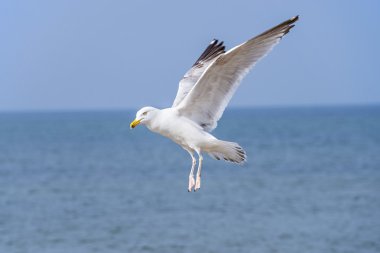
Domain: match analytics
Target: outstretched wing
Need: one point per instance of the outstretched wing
(208, 56)
(208, 98)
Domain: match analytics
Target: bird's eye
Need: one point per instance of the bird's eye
(145, 113)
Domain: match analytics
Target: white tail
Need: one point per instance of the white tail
(229, 151)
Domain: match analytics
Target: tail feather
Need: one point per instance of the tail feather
(228, 151)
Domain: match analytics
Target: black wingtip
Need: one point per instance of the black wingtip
(214, 49)
(286, 26)
(290, 23)
(295, 18)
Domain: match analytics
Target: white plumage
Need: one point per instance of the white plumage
(203, 94)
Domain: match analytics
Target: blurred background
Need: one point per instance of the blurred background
(74, 178)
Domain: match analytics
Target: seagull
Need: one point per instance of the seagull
(203, 95)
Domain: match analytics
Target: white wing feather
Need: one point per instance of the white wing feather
(209, 55)
(208, 98)
(188, 81)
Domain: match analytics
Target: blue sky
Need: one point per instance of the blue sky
(68, 55)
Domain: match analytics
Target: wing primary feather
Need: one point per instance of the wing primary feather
(213, 50)
(288, 24)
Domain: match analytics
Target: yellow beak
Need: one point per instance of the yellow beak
(135, 123)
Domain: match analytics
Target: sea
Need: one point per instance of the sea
(83, 182)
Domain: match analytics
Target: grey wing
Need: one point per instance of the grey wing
(209, 55)
(208, 98)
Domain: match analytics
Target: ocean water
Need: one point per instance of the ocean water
(83, 182)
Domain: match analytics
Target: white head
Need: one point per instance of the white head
(144, 115)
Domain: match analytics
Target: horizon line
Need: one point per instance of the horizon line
(115, 109)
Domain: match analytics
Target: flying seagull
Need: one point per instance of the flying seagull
(202, 96)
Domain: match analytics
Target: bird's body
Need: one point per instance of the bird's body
(179, 129)
(204, 93)
(183, 131)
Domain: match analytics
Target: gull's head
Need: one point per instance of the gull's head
(143, 116)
